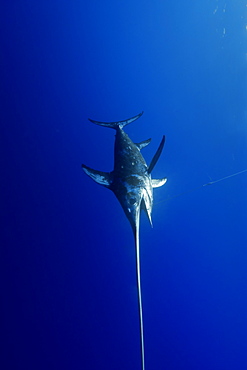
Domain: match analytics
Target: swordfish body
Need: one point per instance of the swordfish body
(133, 186)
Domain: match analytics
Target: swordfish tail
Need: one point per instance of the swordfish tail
(118, 124)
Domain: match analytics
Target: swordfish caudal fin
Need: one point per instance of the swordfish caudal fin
(120, 124)
(102, 178)
(157, 155)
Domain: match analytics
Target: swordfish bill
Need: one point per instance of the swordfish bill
(133, 185)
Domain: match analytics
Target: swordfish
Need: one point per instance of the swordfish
(133, 185)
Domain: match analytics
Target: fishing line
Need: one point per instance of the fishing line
(201, 186)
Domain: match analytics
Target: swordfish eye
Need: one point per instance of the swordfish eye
(131, 198)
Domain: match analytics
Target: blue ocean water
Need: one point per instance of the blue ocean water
(69, 296)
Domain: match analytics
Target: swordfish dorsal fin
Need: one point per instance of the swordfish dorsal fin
(117, 124)
(102, 178)
(157, 155)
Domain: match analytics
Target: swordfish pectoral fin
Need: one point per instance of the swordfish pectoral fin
(156, 183)
(102, 178)
(146, 204)
(157, 155)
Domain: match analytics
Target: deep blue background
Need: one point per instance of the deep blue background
(68, 295)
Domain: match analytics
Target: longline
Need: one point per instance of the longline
(201, 186)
